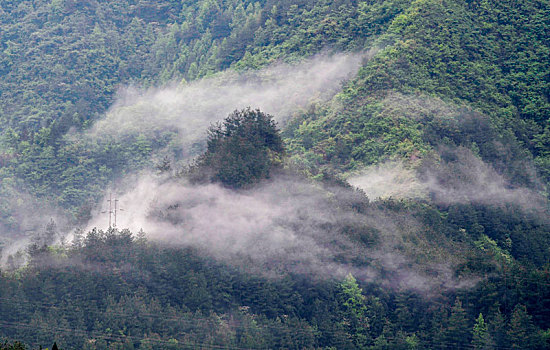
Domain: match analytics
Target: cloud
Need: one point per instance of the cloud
(189, 109)
(455, 175)
(462, 177)
(389, 180)
(29, 218)
(276, 224)
(285, 225)
(500, 172)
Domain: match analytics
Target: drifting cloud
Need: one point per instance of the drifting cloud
(389, 180)
(189, 109)
(284, 225)
(453, 173)
(462, 177)
(457, 175)
(29, 218)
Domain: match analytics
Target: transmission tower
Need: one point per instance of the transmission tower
(112, 213)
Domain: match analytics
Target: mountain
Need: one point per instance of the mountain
(387, 187)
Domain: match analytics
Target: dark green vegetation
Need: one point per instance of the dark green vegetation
(12, 346)
(242, 151)
(117, 290)
(445, 75)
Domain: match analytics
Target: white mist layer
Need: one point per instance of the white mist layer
(466, 179)
(272, 226)
(456, 174)
(285, 225)
(31, 217)
(389, 180)
(189, 109)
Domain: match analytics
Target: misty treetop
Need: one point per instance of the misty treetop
(244, 149)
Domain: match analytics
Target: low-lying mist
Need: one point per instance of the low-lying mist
(188, 109)
(29, 219)
(287, 225)
(470, 161)
(456, 175)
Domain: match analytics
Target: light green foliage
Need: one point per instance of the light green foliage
(437, 49)
(354, 312)
(481, 339)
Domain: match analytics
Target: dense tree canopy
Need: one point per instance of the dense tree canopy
(448, 85)
(244, 149)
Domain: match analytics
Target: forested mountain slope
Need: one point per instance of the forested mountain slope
(443, 241)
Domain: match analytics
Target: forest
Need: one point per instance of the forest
(241, 174)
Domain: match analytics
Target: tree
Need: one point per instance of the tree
(521, 331)
(12, 346)
(497, 328)
(481, 339)
(457, 332)
(354, 312)
(241, 151)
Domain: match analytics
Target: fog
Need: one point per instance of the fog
(462, 177)
(188, 109)
(392, 179)
(29, 218)
(286, 225)
(451, 172)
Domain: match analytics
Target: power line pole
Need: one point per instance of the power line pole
(116, 209)
(116, 202)
(112, 213)
(110, 207)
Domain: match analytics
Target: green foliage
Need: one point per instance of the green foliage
(457, 331)
(435, 50)
(481, 339)
(355, 320)
(521, 333)
(5, 345)
(471, 74)
(111, 288)
(241, 151)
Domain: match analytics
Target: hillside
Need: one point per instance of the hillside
(394, 194)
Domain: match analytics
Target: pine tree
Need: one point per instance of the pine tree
(497, 328)
(481, 339)
(521, 330)
(354, 312)
(457, 333)
(51, 232)
(241, 151)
